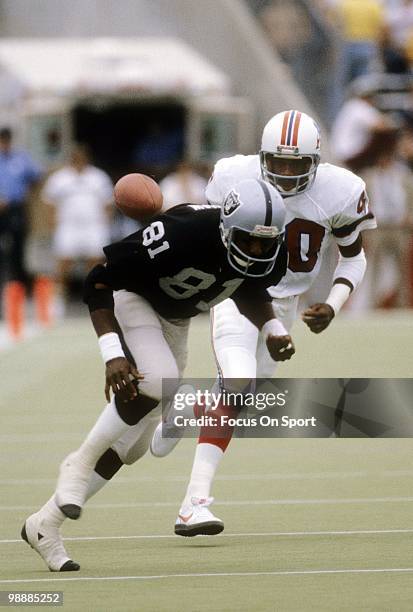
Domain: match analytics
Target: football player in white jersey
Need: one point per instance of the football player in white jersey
(324, 202)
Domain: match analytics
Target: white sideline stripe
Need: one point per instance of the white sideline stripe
(228, 477)
(232, 535)
(216, 575)
(252, 502)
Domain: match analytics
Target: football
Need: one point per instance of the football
(138, 196)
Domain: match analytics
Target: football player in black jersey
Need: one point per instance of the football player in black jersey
(140, 303)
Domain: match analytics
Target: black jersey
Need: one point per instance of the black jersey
(179, 264)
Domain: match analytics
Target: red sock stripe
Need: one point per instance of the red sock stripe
(219, 435)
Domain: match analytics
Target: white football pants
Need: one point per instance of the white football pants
(240, 350)
(159, 348)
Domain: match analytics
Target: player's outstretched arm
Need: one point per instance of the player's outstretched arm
(120, 373)
(348, 275)
(262, 315)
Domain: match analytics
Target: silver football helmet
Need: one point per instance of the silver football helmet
(252, 226)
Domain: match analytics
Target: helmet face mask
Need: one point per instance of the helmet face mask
(290, 152)
(252, 227)
(246, 249)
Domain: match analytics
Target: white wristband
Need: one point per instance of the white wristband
(339, 294)
(273, 327)
(110, 346)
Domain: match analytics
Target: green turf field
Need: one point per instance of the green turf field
(309, 524)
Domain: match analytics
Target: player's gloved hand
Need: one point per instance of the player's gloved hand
(280, 348)
(120, 377)
(318, 317)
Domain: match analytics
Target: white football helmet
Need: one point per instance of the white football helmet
(252, 226)
(290, 152)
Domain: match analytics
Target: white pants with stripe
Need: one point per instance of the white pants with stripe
(240, 350)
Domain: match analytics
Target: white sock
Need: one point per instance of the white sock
(96, 483)
(108, 428)
(52, 514)
(206, 461)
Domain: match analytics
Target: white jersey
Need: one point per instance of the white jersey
(336, 206)
(80, 198)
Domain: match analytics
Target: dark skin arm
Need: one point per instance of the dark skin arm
(319, 316)
(120, 373)
(280, 348)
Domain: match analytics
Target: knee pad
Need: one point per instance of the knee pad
(135, 409)
(234, 342)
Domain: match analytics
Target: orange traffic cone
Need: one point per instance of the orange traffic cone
(43, 295)
(14, 304)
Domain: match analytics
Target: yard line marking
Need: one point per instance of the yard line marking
(228, 477)
(253, 502)
(223, 477)
(216, 575)
(232, 535)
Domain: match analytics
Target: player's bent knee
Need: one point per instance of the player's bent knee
(236, 363)
(135, 409)
(151, 385)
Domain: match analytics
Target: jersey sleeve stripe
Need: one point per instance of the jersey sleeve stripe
(346, 230)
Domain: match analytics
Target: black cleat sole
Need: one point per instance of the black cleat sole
(23, 535)
(71, 511)
(189, 531)
(70, 566)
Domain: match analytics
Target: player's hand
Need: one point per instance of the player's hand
(280, 348)
(318, 317)
(120, 377)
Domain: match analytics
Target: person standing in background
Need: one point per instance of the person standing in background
(183, 185)
(362, 24)
(390, 184)
(18, 174)
(79, 197)
(361, 132)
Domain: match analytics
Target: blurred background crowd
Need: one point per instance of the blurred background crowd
(65, 139)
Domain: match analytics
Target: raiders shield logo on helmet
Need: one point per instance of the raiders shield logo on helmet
(232, 202)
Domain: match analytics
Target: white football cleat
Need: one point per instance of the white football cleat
(47, 541)
(160, 446)
(72, 486)
(197, 519)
